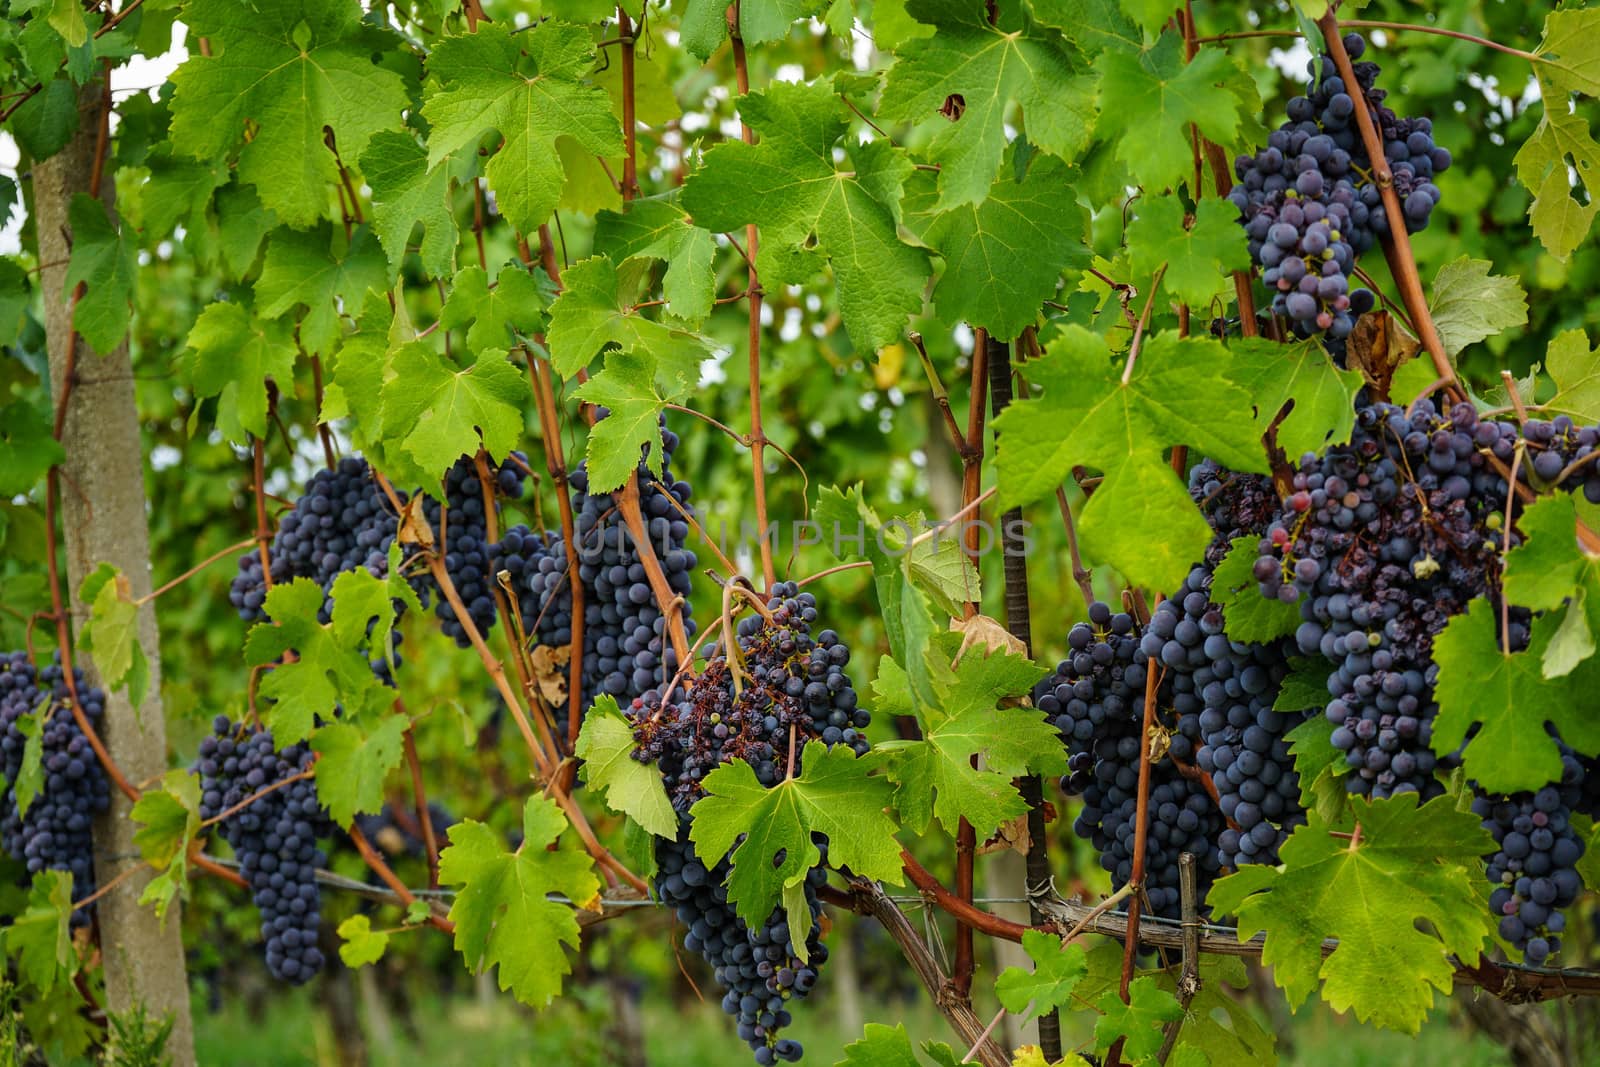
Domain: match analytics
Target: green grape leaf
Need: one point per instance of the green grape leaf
(592, 314)
(29, 782)
(111, 632)
(659, 229)
(1057, 970)
(881, 1046)
(359, 943)
(15, 295)
(934, 775)
(407, 193)
(938, 567)
(169, 820)
(1137, 1023)
(1575, 368)
(503, 912)
(1218, 1023)
(935, 778)
(1247, 615)
(1470, 302)
(831, 794)
(290, 72)
(1148, 15)
(1306, 686)
(44, 124)
(630, 787)
(705, 22)
(103, 260)
(1509, 699)
(1321, 767)
(242, 224)
(1573, 640)
(494, 316)
(1549, 563)
(179, 191)
(452, 409)
(40, 939)
(1157, 95)
(27, 448)
(1588, 865)
(1274, 374)
(1560, 213)
(352, 763)
(303, 269)
(327, 670)
(966, 78)
(810, 207)
(1003, 257)
(232, 355)
(1197, 256)
(1140, 519)
(1411, 865)
(626, 387)
(528, 88)
(1568, 50)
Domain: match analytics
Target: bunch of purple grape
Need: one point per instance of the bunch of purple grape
(1309, 206)
(627, 649)
(273, 830)
(54, 833)
(461, 535)
(793, 690)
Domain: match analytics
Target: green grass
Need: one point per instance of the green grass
(576, 1032)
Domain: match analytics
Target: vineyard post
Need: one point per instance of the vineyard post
(1014, 562)
(143, 955)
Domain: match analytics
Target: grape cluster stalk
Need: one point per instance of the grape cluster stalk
(782, 687)
(54, 833)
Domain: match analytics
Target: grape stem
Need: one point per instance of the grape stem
(556, 464)
(1141, 817)
(1144, 320)
(192, 571)
(984, 1036)
(390, 879)
(1080, 574)
(1371, 24)
(753, 294)
(429, 843)
(1396, 241)
(1505, 546)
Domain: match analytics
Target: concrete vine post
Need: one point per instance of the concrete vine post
(103, 521)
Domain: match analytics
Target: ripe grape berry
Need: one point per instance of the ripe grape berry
(792, 689)
(55, 832)
(274, 836)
